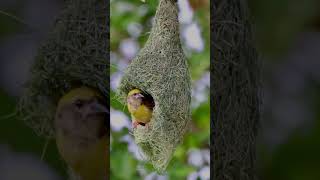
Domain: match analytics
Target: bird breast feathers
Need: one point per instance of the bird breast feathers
(143, 113)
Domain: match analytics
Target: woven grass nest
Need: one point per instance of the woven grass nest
(74, 54)
(160, 70)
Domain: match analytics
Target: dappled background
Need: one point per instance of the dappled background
(131, 22)
(288, 40)
(23, 155)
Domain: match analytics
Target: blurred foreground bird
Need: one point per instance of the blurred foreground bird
(81, 134)
(140, 106)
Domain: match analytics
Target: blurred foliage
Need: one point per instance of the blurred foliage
(278, 22)
(20, 138)
(124, 165)
(13, 132)
(297, 158)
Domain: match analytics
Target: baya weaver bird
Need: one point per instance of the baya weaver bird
(140, 105)
(81, 133)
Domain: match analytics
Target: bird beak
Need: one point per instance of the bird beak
(139, 96)
(97, 107)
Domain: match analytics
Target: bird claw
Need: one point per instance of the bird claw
(136, 123)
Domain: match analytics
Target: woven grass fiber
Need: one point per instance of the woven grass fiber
(75, 54)
(160, 70)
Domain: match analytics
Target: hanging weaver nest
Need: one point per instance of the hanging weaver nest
(160, 70)
(75, 54)
(236, 98)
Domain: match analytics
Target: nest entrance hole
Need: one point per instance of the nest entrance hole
(147, 100)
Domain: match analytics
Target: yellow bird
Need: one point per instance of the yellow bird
(140, 106)
(81, 133)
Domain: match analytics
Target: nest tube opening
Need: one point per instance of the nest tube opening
(160, 69)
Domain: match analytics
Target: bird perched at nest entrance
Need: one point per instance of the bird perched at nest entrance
(140, 105)
(81, 133)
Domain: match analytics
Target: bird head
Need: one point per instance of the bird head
(81, 110)
(81, 133)
(135, 97)
(136, 93)
(84, 100)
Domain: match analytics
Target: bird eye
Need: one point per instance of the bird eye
(78, 103)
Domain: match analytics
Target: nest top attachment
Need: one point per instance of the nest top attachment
(160, 70)
(74, 54)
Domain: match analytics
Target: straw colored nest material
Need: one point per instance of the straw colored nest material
(74, 54)
(160, 70)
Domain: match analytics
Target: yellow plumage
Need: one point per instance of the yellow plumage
(88, 163)
(139, 106)
(84, 93)
(134, 91)
(82, 139)
(142, 114)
